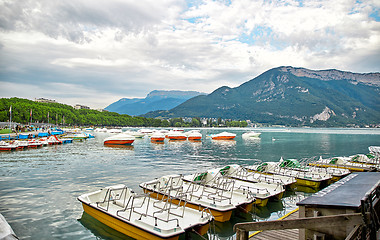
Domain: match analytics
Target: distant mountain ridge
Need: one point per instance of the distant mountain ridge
(292, 96)
(155, 100)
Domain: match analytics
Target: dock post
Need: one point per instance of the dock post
(241, 234)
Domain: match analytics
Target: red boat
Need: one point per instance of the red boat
(119, 139)
(5, 146)
(176, 135)
(223, 136)
(157, 137)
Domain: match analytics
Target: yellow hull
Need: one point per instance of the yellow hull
(352, 169)
(308, 183)
(121, 226)
(218, 215)
(261, 202)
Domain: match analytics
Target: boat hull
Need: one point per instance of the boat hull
(121, 226)
(177, 138)
(118, 142)
(158, 139)
(220, 216)
(223, 138)
(194, 138)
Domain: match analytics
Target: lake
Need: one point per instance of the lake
(39, 187)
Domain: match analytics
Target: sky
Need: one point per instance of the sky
(94, 52)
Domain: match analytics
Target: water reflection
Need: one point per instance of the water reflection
(127, 147)
(101, 230)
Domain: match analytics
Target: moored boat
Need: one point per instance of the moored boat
(157, 137)
(221, 203)
(119, 139)
(6, 146)
(223, 136)
(239, 172)
(194, 135)
(216, 178)
(345, 163)
(33, 143)
(142, 217)
(176, 135)
(304, 178)
(251, 134)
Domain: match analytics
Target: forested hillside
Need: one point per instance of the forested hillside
(24, 111)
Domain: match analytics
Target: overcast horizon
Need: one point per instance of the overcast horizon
(94, 52)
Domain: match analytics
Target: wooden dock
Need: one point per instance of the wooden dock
(287, 234)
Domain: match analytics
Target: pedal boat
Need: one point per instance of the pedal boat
(344, 163)
(142, 217)
(293, 164)
(6, 146)
(216, 178)
(119, 139)
(221, 203)
(307, 179)
(238, 172)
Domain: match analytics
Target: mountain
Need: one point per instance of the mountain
(292, 96)
(155, 100)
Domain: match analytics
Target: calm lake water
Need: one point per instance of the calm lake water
(39, 187)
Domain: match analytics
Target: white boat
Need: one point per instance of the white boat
(142, 217)
(157, 137)
(345, 163)
(114, 130)
(216, 178)
(223, 136)
(251, 134)
(293, 164)
(220, 202)
(146, 131)
(100, 130)
(194, 135)
(119, 139)
(6, 146)
(176, 135)
(304, 178)
(135, 134)
(239, 172)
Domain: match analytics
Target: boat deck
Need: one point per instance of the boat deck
(287, 234)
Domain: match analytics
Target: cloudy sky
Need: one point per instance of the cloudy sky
(95, 52)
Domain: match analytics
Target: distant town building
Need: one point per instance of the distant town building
(78, 106)
(44, 100)
(102, 110)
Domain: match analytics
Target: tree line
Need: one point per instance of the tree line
(25, 111)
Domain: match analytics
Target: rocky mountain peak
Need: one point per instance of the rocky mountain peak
(333, 74)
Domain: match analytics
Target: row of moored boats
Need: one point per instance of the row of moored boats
(173, 204)
(159, 136)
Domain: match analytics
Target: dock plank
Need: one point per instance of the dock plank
(288, 234)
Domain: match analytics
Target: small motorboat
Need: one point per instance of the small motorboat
(176, 135)
(114, 130)
(135, 134)
(119, 139)
(194, 135)
(157, 137)
(142, 217)
(223, 136)
(251, 134)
